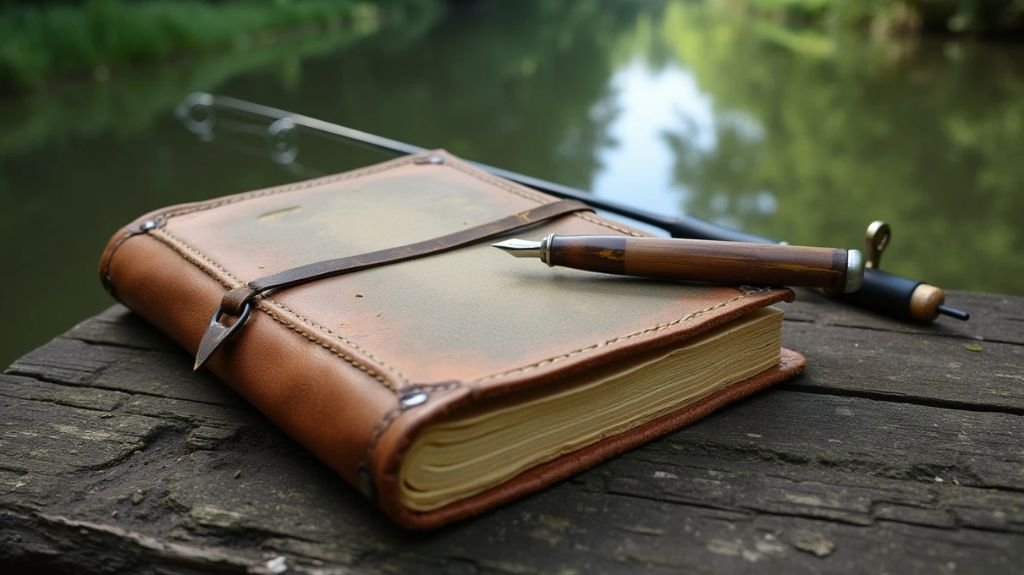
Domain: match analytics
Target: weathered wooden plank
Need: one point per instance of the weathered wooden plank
(658, 508)
(974, 365)
(142, 372)
(118, 327)
(843, 459)
(115, 457)
(922, 368)
(994, 317)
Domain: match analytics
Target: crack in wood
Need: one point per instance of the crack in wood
(120, 345)
(100, 387)
(797, 385)
(86, 544)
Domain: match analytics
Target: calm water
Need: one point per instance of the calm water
(671, 107)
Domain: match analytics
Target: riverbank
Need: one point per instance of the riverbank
(1003, 19)
(100, 38)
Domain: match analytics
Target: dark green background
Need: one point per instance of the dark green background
(798, 135)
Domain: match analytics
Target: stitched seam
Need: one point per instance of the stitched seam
(348, 359)
(378, 431)
(597, 346)
(292, 187)
(194, 256)
(438, 386)
(594, 220)
(392, 414)
(340, 337)
(503, 184)
(280, 305)
(110, 258)
(508, 187)
(187, 252)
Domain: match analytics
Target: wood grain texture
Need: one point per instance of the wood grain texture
(737, 263)
(897, 451)
(730, 263)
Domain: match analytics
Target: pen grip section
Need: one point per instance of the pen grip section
(731, 263)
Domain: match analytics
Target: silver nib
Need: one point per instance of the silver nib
(520, 248)
(527, 249)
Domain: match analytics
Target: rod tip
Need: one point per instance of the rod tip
(954, 313)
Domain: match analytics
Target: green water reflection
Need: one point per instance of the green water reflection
(670, 106)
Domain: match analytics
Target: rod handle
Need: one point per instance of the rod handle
(901, 298)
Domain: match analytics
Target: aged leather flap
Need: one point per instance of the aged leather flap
(329, 361)
(470, 315)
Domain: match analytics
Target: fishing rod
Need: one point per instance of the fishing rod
(888, 294)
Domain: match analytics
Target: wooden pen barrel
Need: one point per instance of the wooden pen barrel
(732, 263)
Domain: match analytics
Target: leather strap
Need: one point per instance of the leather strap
(237, 302)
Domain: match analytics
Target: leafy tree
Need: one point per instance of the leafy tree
(929, 140)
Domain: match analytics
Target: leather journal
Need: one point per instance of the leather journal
(366, 315)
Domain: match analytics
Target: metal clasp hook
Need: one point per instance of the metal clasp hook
(876, 239)
(216, 333)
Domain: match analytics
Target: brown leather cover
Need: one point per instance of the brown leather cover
(329, 361)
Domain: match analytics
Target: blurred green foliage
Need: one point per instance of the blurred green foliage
(836, 130)
(130, 103)
(977, 17)
(41, 42)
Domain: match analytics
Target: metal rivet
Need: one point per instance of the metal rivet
(432, 159)
(412, 398)
(149, 225)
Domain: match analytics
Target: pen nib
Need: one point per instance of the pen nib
(520, 248)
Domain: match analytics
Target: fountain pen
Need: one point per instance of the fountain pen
(716, 262)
